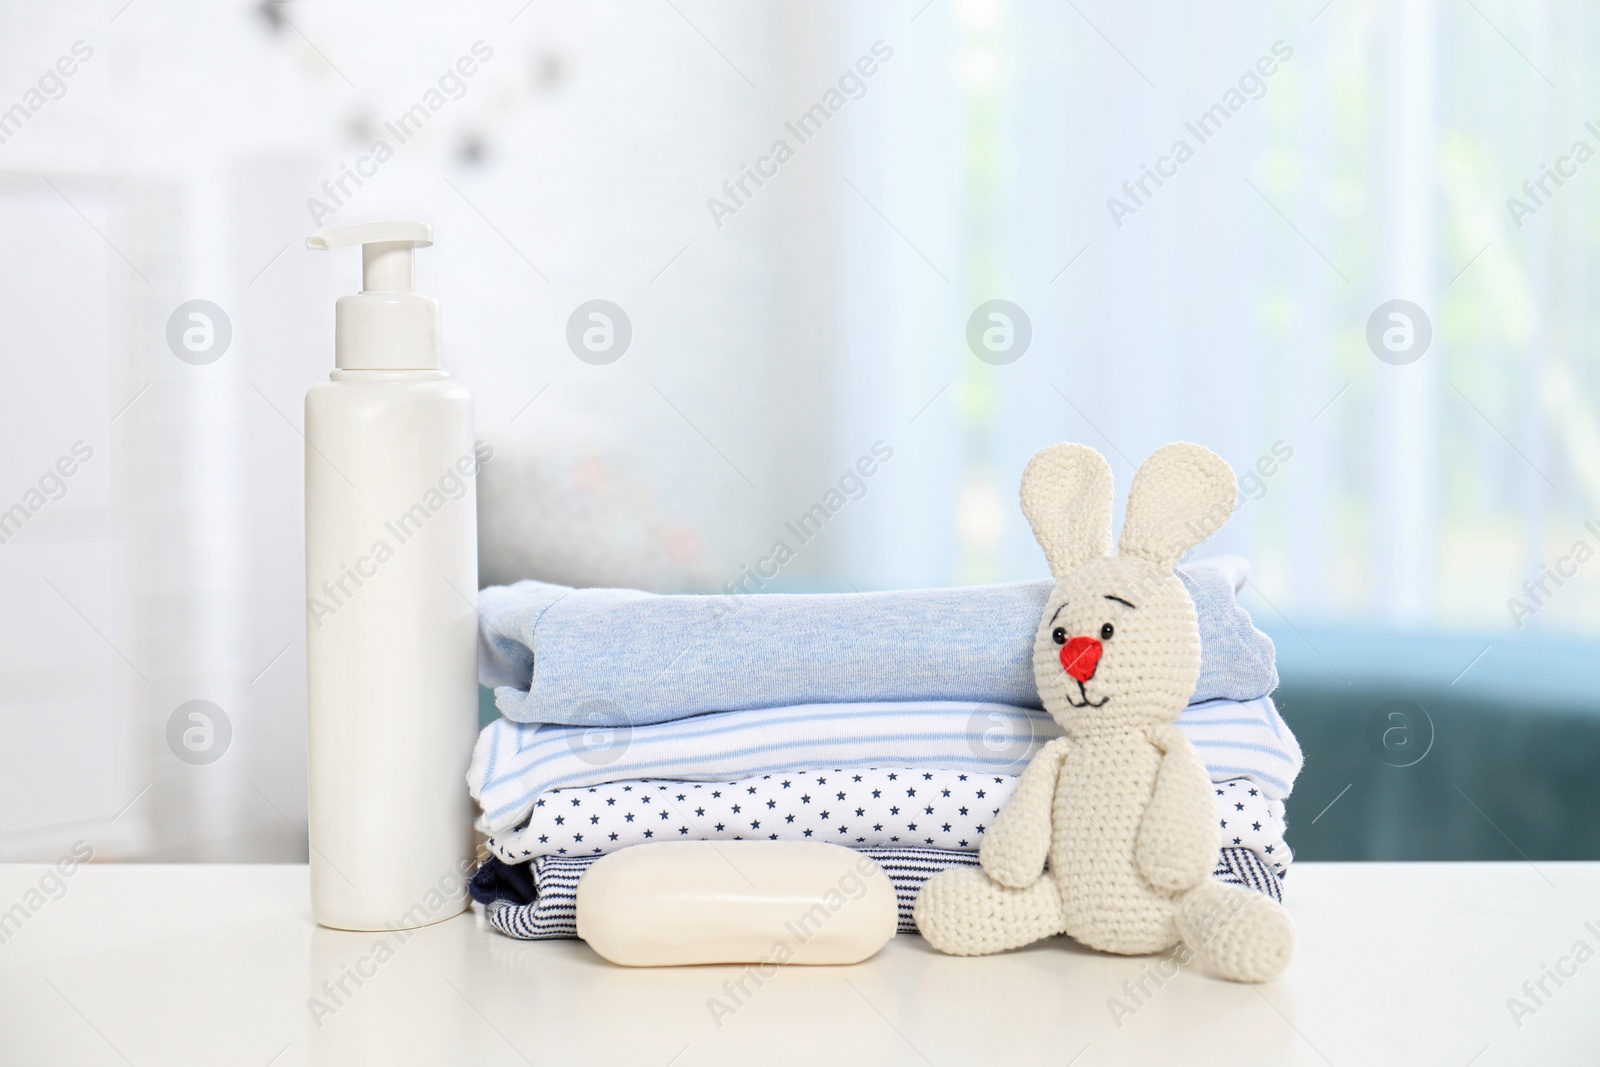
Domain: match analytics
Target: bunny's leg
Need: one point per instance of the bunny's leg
(1240, 933)
(964, 912)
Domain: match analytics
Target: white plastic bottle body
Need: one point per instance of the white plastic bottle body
(391, 638)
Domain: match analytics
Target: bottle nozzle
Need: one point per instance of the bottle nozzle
(386, 326)
(385, 250)
(386, 267)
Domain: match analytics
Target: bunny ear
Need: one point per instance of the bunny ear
(1066, 495)
(1181, 495)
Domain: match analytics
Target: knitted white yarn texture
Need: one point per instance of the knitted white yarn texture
(1121, 808)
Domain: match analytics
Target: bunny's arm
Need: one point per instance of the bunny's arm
(1014, 849)
(1178, 840)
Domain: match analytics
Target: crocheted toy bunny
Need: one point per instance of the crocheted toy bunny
(1121, 806)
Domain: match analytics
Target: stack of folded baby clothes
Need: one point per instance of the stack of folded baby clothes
(892, 723)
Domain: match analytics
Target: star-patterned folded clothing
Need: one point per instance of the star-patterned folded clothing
(860, 807)
(538, 900)
(515, 764)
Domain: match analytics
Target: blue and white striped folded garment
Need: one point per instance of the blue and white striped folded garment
(858, 807)
(515, 764)
(538, 901)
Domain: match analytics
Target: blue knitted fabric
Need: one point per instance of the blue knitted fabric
(612, 657)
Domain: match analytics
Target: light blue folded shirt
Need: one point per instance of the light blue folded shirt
(514, 763)
(611, 657)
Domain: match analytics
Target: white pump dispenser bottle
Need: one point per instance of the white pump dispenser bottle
(391, 603)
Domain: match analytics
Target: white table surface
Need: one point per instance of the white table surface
(215, 965)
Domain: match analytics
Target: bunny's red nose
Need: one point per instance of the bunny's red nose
(1080, 656)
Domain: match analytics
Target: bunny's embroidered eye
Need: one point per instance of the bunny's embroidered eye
(1058, 635)
(1106, 631)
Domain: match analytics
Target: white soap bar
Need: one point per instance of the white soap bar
(769, 902)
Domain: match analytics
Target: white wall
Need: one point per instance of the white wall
(770, 352)
(178, 165)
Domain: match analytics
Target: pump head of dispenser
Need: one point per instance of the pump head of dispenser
(386, 326)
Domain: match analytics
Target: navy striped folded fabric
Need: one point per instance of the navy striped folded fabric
(538, 901)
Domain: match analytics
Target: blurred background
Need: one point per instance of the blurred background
(1349, 245)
